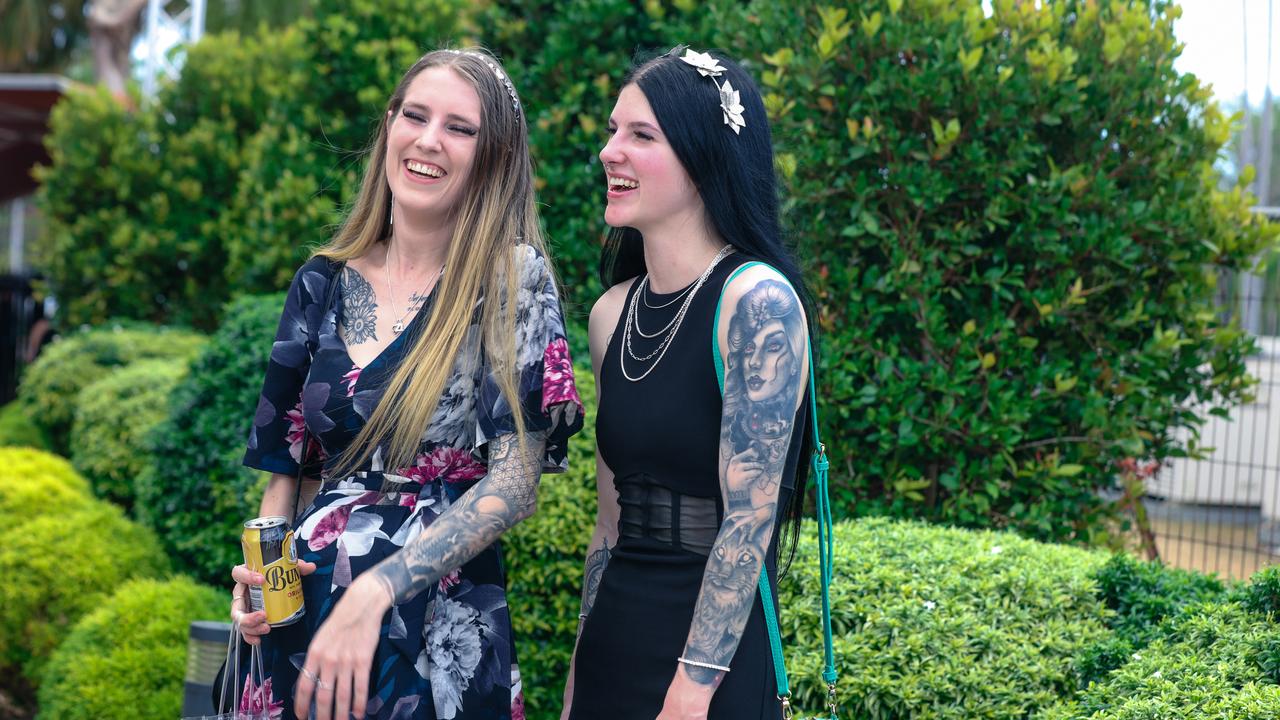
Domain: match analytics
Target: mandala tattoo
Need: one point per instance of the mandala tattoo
(359, 309)
(502, 498)
(761, 391)
(596, 563)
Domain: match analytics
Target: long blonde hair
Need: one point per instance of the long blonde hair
(496, 211)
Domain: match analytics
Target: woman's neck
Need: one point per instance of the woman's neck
(418, 248)
(675, 260)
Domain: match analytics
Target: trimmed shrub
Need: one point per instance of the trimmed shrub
(18, 430)
(126, 659)
(1142, 595)
(940, 623)
(195, 493)
(35, 484)
(1216, 662)
(59, 567)
(52, 384)
(113, 418)
(545, 556)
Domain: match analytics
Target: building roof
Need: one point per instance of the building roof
(25, 102)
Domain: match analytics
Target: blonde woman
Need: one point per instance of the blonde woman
(420, 372)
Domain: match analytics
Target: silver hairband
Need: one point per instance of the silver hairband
(497, 72)
(730, 104)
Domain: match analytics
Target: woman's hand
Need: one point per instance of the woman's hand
(336, 670)
(686, 699)
(253, 625)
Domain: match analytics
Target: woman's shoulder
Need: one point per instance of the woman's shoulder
(313, 277)
(748, 272)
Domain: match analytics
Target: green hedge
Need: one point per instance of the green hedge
(51, 386)
(941, 623)
(1219, 661)
(545, 556)
(34, 484)
(17, 429)
(60, 566)
(1143, 595)
(113, 419)
(195, 493)
(126, 659)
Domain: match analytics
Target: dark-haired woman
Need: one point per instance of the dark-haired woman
(695, 484)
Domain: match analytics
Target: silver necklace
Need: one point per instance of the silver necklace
(398, 326)
(674, 325)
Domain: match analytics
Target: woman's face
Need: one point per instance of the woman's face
(769, 363)
(431, 144)
(647, 185)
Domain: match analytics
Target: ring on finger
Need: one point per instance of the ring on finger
(316, 679)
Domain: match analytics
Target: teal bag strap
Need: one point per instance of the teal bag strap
(826, 555)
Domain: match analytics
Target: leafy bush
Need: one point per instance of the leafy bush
(1013, 227)
(18, 430)
(60, 566)
(1262, 595)
(1219, 661)
(126, 659)
(1143, 595)
(34, 483)
(113, 417)
(940, 623)
(195, 493)
(545, 556)
(52, 384)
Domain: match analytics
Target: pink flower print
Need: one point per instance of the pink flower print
(557, 376)
(445, 463)
(450, 580)
(517, 706)
(297, 429)
(351, 379)
(257, 699)
(329, 528)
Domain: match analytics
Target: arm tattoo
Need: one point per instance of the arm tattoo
(596, 563)
(504, 497)
(767, 341)
(359, 309)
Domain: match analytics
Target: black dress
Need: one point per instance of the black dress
(661, 437)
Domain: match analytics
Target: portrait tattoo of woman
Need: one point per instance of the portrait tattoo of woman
(762, 382)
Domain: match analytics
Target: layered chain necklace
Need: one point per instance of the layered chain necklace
(398, 326)
(667, 333)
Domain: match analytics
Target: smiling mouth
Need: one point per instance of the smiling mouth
(424, 170)
(621, 185)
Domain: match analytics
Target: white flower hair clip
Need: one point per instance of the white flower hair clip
(730, 102)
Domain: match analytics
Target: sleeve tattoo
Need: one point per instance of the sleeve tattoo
(763, 370)
(596, 563)
(504, 497)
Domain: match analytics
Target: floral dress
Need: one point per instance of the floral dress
(448, 652)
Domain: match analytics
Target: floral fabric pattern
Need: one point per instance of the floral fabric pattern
(446, 653)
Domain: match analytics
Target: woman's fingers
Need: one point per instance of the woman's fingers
(303, 692)
(304, 567)
(245, 576)
(342, 697)
(361, 691)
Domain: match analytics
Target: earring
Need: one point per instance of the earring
(391, 215)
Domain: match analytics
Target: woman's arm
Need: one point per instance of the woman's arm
(600, 325)
(765, 372)
(340, 655)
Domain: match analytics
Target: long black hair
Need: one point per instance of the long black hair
(735, 176)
